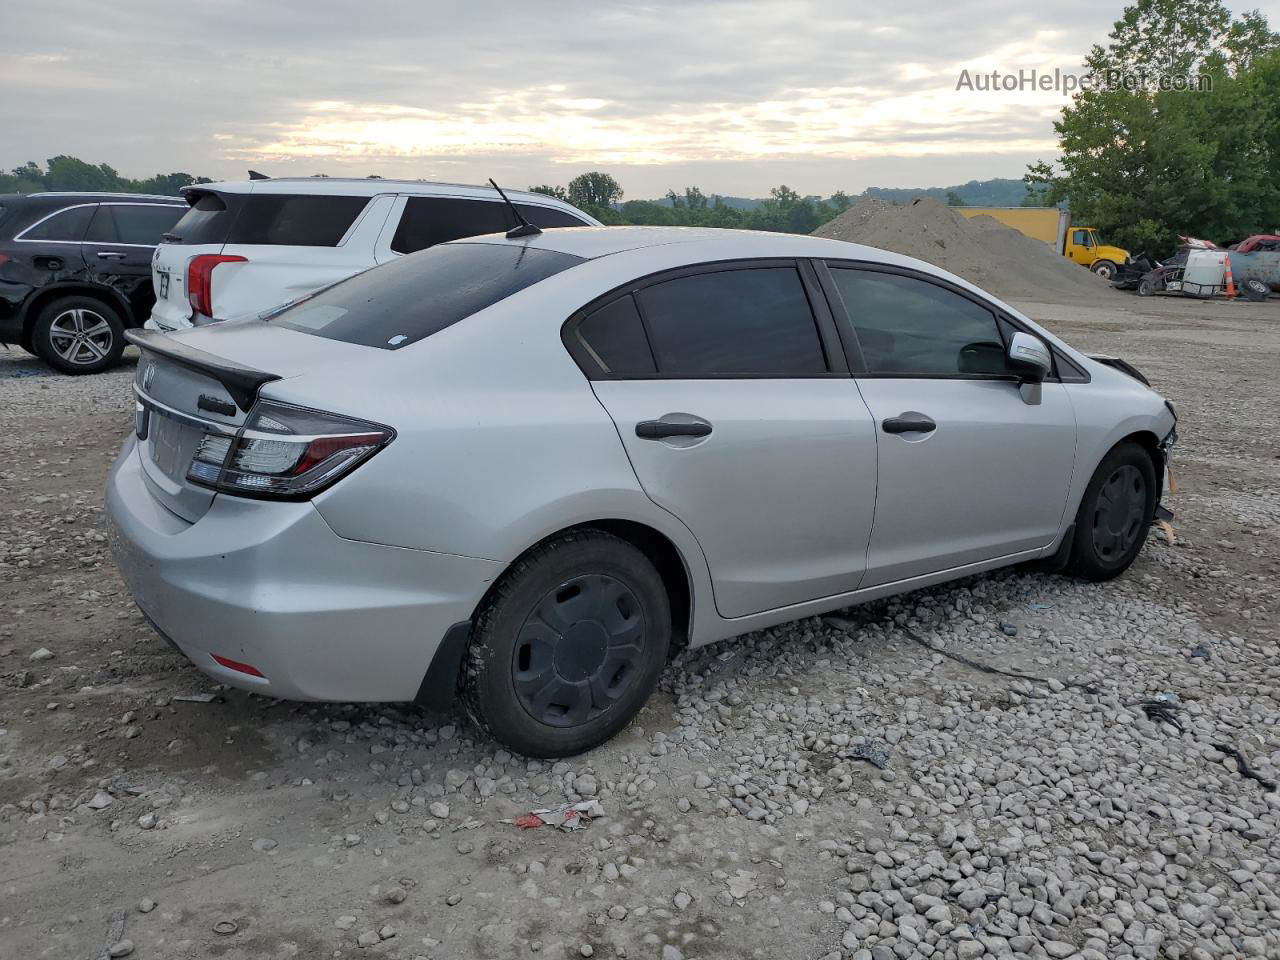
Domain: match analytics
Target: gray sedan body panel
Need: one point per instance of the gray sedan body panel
(501, 441)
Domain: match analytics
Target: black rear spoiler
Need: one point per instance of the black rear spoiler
(241, 382)
(1123, 366)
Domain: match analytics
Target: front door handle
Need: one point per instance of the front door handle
(909, 422)
(661, 429)
(111, 255)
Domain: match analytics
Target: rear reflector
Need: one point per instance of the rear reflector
(238, 666)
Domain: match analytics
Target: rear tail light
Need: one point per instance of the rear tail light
(200, 280)
(285, 452)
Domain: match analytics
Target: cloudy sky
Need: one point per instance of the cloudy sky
(733, 97)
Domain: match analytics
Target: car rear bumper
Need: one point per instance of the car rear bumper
(270, 585)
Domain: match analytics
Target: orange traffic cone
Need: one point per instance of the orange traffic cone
(1231, 286)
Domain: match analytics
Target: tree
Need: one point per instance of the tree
(551, 191)
(954, 199)
(1145, 164)
(594, 190)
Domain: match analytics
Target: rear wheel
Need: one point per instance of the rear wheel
(1115, 514)
(569, 646)
(1105, 269)
(78, 335)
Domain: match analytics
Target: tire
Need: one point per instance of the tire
(1105, 269)
(568, 646)
(1115, 514)
(78, 335)
(1255, 290)
(1146, 288)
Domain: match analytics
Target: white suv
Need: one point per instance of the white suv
(244, 247)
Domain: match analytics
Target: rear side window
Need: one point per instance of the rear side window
(753, 322)
(411, 298)
(613, 337)
(268, 219)
(909, 326)
(427, 221)
(67, 225)
(302, 221)
(134, 223)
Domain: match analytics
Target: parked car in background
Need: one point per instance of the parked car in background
(529, 468)
(75, 272)
(244, 247)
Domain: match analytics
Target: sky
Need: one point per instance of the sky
(732, 97)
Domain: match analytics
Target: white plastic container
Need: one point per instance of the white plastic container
(1205, 272)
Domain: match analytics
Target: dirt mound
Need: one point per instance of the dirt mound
(982, 250)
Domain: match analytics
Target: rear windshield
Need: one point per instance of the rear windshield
(268, 219)
(409, 299)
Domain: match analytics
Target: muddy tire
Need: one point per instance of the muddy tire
(1146, 288)
(1105, 269)
(1255, 290)
(568, 646)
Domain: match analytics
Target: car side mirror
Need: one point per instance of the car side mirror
(1029, 358)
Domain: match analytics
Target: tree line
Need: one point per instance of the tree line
(785, 210)
(71, 175)
(1145, 165)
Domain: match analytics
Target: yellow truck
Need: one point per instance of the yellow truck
(1054, 227)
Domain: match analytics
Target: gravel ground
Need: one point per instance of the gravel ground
(1041, 815)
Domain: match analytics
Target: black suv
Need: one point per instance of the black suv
(75, 271)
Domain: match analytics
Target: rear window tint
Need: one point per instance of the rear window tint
(140, 224)
(268, 219)
(427, 221)
(409, 299)
(305, 221)
(66, 225)
(614, 337)
(207, 221)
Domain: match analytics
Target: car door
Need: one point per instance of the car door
(119, 243)
(969, 469)
(736, 409)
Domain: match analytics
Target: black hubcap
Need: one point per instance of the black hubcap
(1120, 512)
(579, 650)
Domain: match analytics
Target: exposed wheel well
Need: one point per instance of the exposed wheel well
(662, 553)
(46, 296)
(1149, 442)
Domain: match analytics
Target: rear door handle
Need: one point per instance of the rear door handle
(660, 429)
(111, 255)
(909, 422)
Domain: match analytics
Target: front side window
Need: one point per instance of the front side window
(67, 226)
(427, 221)
(135, 223)
(1082, 238)
(411, 298)
(911, 327)
(750, 322)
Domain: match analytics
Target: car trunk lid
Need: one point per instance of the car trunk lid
(206, 381)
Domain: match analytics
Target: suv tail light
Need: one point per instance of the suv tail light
(285, 452)
(200, 280)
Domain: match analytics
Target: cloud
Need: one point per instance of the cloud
(751, 93)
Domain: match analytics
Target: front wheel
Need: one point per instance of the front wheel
(1146, 288)
(569, 645)
(78, 335)
(1115, 514)
(1105, 269)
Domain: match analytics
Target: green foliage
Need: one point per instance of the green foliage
(560, 193)
(1146, 165)
(594, 189)
(954, 199)
(72, 175)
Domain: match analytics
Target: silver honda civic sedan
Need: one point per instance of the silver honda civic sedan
(524, 469)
